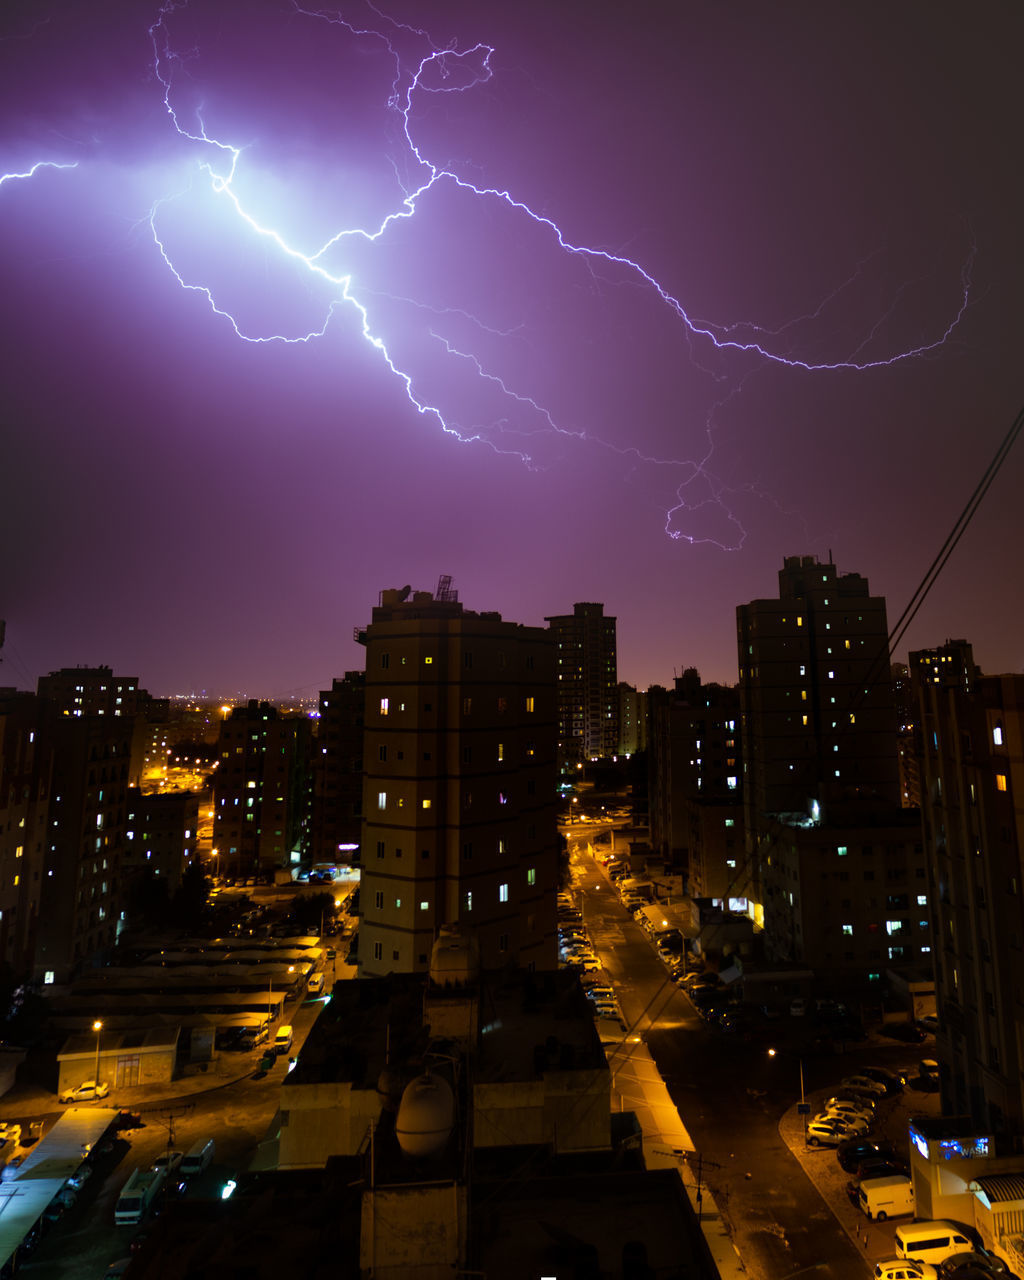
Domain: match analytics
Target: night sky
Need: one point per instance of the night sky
(755, 192)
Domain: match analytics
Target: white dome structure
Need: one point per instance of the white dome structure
(426, 1116)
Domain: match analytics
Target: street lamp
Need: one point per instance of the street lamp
(97, 1026)
(804, 1109)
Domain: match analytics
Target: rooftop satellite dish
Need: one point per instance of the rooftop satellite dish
(404, 593)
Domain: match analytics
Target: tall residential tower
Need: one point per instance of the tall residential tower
(588, 699)
(459, 784)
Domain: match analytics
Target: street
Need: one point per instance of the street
(732, 1096)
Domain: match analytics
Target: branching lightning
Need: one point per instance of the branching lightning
(40, 164)
(451, 71)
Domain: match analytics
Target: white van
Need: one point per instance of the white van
(315, 983)
(283, 1039)
(932, 1241)
(888, 1197)
(198, 1158)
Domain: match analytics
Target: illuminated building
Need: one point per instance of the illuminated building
(836, 865)
(972, 784)
(588, 701)
(459, 798)
(695, 782)
(259, 790)
(338, 771)
(162, 835)
(64, 779)
(632, 720)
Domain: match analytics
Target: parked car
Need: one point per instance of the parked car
(842, 1104)
(863, 1085)
(852, 1154)
(86, 1092)
(975, 1265)
(902, 1269)
(893, 1080)
(905, 1031)
(168, 1161)
(826, 1131)
(852, 1126)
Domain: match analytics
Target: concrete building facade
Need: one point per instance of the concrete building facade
(972, 782)
(337, 771)
(459, 797)
(836, 866)
(588, 701)
(260, 790)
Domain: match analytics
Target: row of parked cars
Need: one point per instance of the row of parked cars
(575, 949)
(850, 1112)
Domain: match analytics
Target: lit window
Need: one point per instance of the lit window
(503, 893)
(383, 706)
(922, 899)
(531, 875)
(804, 721)
(427, 661)
(730, 822)
(469, 899)
(501, 751)
(1000, 781)
(424, 906)
(732, 782)
(848, 930)
(398, 902)
(382, 799)
(529, 704)
(997, 735)
(842, 850)
(426, 804)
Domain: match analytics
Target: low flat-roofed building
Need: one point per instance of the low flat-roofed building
(597, 1214)
(539, 1074)
(125, 1058)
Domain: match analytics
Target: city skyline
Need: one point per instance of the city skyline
(748, 198)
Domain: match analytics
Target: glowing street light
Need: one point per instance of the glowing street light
(97, 1026)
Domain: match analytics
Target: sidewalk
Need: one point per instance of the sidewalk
(875, 1240)
(667, 1145)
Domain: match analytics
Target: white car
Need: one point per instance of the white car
(838, 1106)
(901, 1269)
(852, 1126)
(826, 1131)
(169, 1161)
(86, 1092)
(863, 1085)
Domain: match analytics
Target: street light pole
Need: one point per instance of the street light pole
(97, 1026)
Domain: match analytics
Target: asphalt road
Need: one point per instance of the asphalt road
(731, 1096)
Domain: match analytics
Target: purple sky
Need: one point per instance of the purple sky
(812, 183)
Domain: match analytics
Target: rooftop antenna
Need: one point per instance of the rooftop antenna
(445, 591)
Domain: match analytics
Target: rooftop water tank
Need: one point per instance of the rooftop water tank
(454, 958)
(426, 1116)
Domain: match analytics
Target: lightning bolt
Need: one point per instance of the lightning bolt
(40, 164)
(441, 71)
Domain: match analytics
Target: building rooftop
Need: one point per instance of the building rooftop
(530, 1024)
